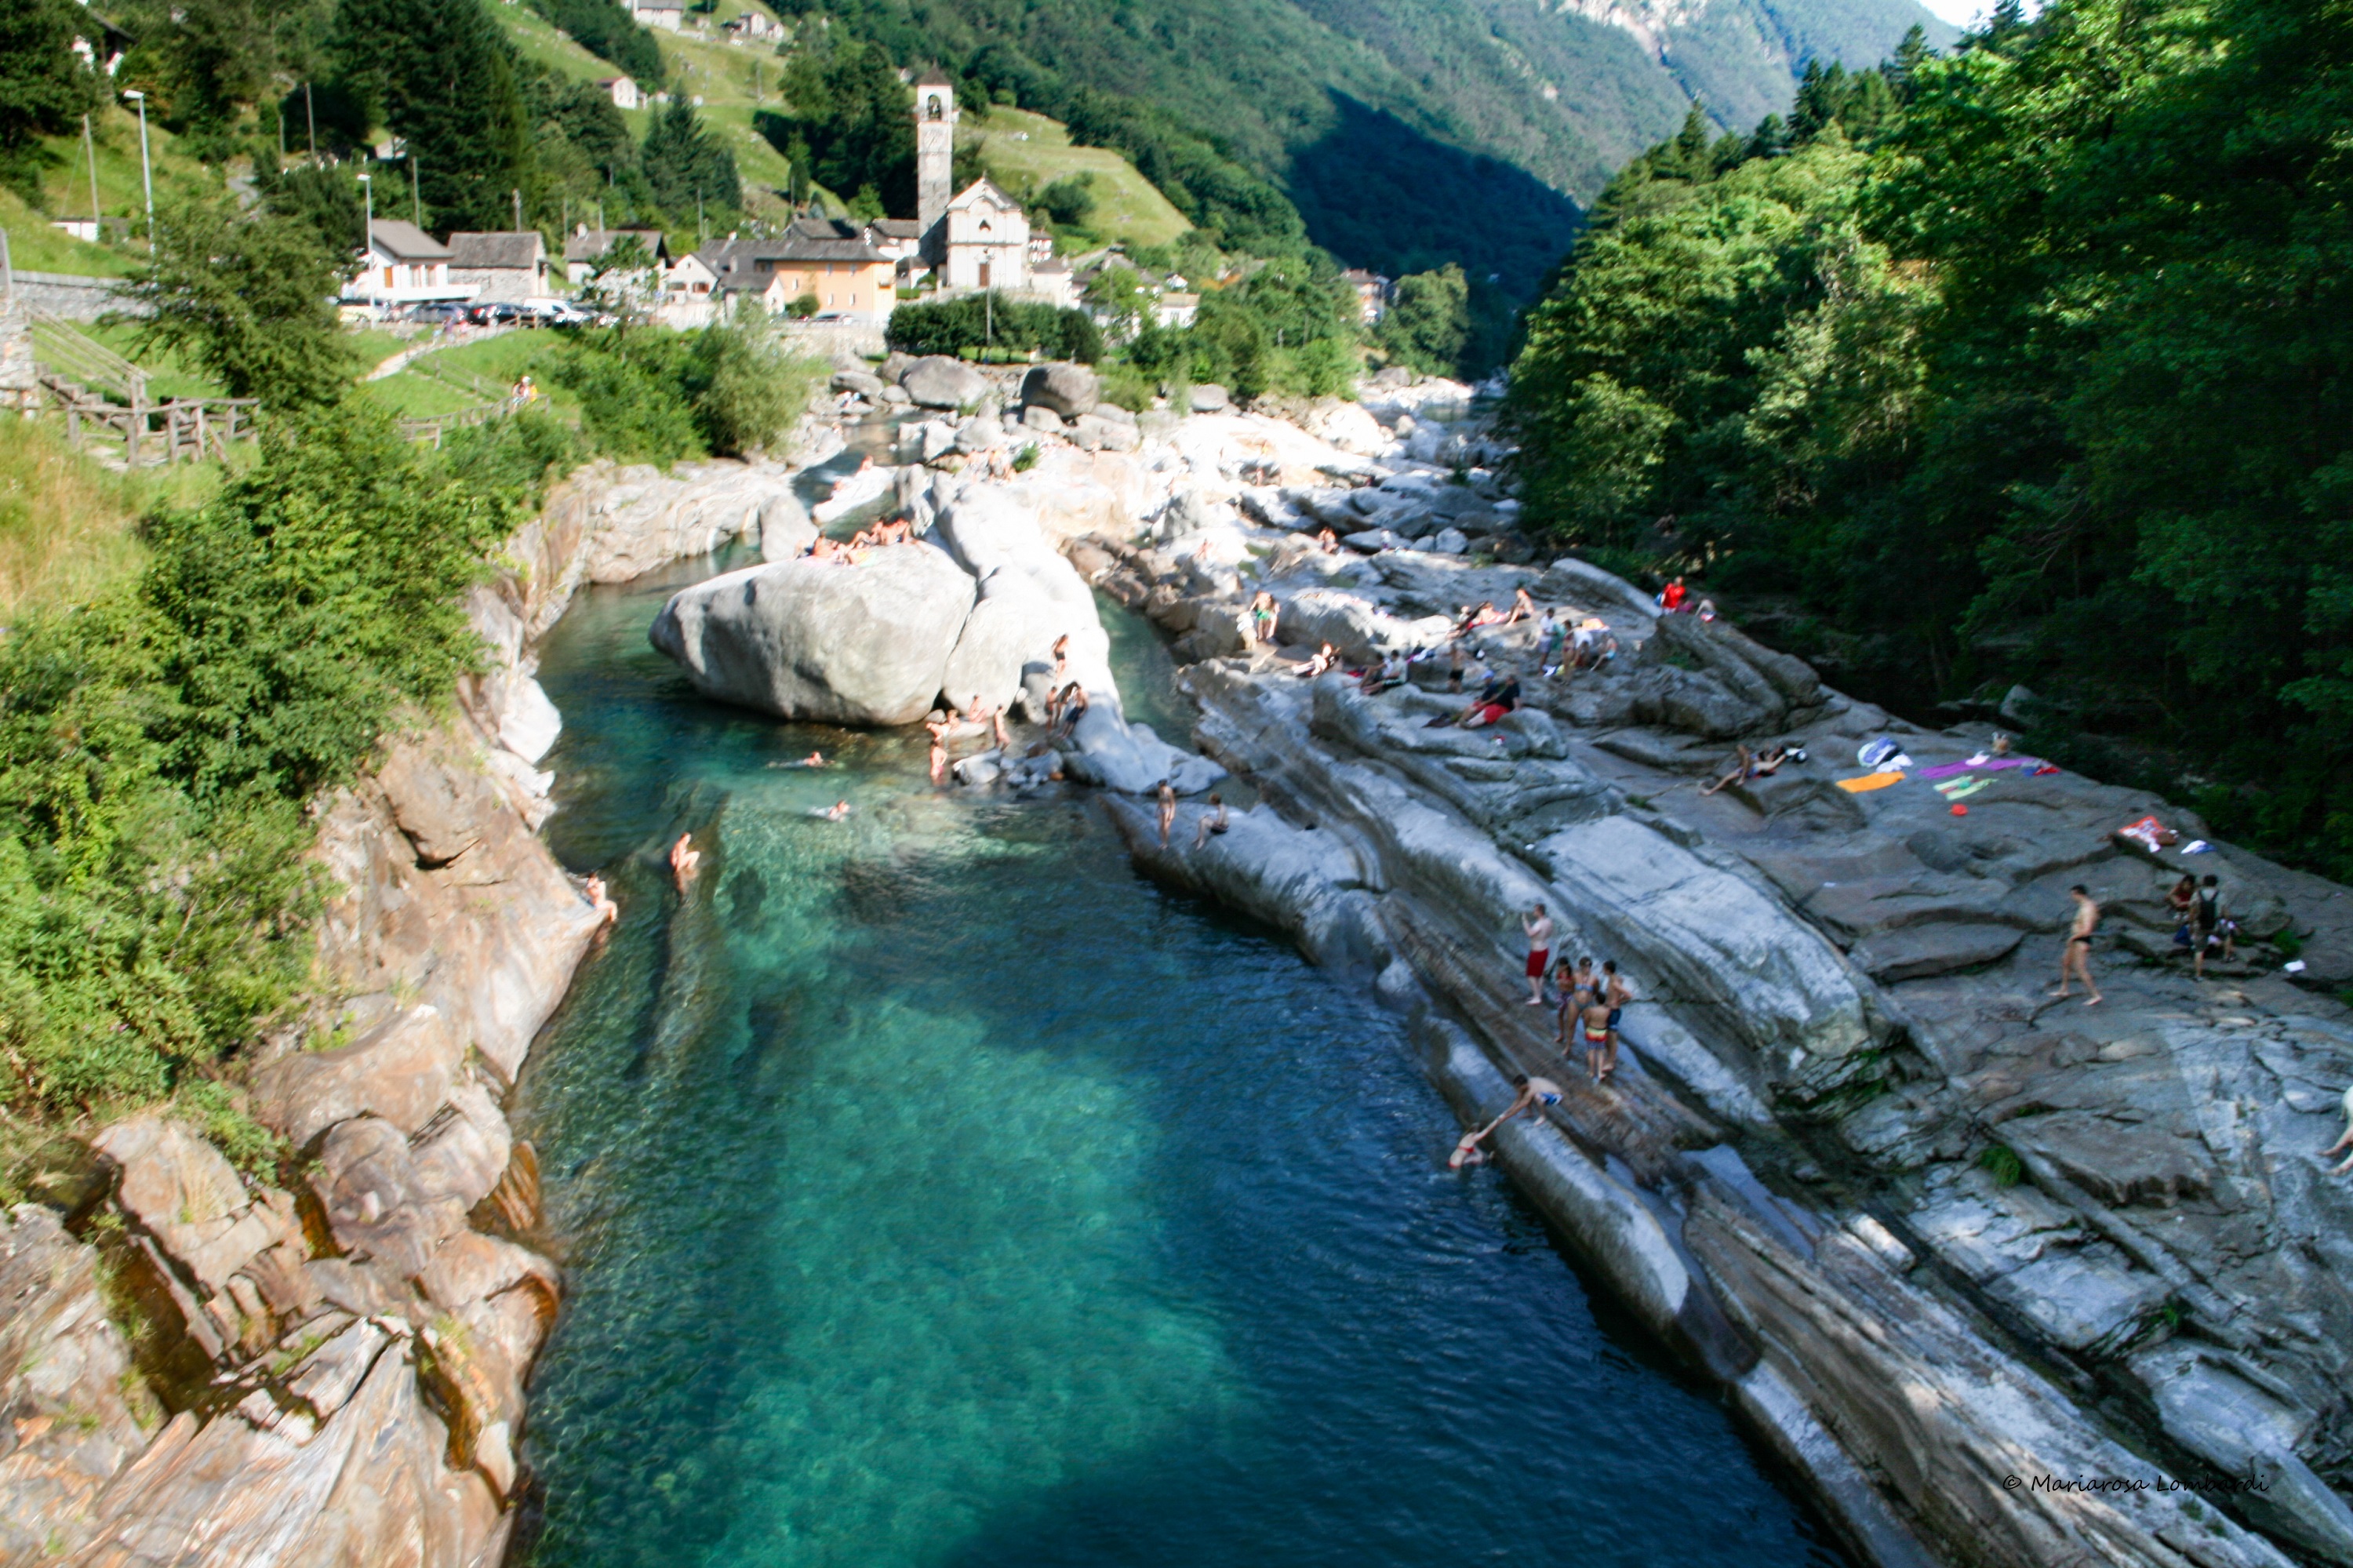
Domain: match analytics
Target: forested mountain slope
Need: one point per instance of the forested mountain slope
(1407, 132)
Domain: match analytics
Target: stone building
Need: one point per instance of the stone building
(506, 267)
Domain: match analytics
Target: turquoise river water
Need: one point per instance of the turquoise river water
(933, 1190)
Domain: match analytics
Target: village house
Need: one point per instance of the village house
(670, 14)
(1373, 293)
(689, 294)
(508, 266)
(751, 27)
(623, 91)
(587, 247)
(406, 267)
(831, 260)
(1052, 280)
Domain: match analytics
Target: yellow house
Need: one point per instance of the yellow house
(832, 260)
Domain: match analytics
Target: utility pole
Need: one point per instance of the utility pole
(310, 119)
(518, 210)
(90, 151)
(368, 223)
(701, 229)
(146, 168)
(415, 193)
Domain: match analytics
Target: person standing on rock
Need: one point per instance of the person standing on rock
(1538, 926)
(684, 858)
(2209, 928)
(1577, 993)
(2075, 958)
(1616, 993)
(1167, 809)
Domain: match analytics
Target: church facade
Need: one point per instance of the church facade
(975, 238)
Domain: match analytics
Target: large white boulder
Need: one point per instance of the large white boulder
(939, 382)
(864, 644)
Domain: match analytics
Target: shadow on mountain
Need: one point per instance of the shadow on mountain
(1378, 193)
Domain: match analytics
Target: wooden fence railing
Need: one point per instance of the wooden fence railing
(186, 430)
(63, 350)
(433, 427)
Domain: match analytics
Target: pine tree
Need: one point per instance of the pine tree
(683, 163)
(440, 75)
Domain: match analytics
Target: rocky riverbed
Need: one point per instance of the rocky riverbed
(1967, 1257)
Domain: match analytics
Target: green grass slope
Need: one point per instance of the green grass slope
(1020, 149)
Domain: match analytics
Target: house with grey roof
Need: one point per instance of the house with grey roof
(510, 266)
(405, 267)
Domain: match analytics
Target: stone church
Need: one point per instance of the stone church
(979, 238)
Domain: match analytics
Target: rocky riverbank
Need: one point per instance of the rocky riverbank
(1975, 1260)
(332, 1371)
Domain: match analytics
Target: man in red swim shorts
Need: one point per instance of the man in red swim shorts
(1539, 925)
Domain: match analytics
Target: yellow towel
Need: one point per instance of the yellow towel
(1870, 781)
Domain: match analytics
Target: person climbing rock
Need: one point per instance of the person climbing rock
(1537, 924)
(2075, 958)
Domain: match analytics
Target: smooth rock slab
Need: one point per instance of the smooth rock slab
(865, 644)
(939, 382)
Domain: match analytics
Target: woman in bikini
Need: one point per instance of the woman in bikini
(1167, 810)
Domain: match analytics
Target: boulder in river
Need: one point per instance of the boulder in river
(864, 644)
(1069, 391)
(1211, 399)
(937, 381)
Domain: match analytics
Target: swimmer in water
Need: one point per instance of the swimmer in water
(838, 812)
(684, 858)
(600, 901)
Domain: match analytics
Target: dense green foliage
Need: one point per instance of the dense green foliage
(249, 300)
(442, 76)
(1291, 326)
(1428, 325)
(686, 167)
(658, 397)
(44, 87)
(157, 748)
(981, 322)
(605, 29)
(849, 123)
(2028, 364)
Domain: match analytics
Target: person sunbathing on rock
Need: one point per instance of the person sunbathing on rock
(1496, 698)
(1750, 768)
(1325, 658)
(1524, 608)
(1388, 672)
(1213, 821)
(1328, 541)
(1593, 642)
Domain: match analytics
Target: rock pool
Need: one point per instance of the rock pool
(934, 1190)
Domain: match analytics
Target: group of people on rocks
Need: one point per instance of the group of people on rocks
(1591, 1004)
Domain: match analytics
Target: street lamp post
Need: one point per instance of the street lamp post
(146, 167)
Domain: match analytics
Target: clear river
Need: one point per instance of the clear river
(934, 1190)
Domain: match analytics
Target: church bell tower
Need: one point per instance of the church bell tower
(935, 118)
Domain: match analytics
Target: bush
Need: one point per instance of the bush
(978, 320)
(158, 747)
(743, 389)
